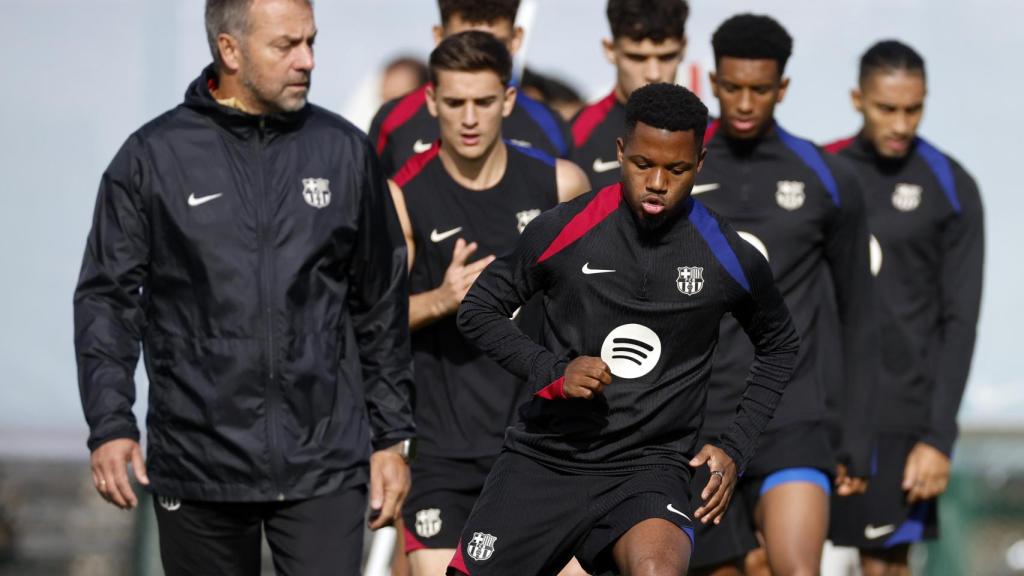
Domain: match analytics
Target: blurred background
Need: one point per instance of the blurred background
(80, 76)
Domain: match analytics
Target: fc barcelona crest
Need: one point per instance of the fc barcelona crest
(690, 280)
(906, 197)
(525, 217)
(316, 191)
(428, 522)
(481, 547)
(790, 194)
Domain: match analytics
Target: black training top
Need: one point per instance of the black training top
(403, 127)
(594, 131)
(804, 210)
(649, 305)
(464, 400)
(925, 215)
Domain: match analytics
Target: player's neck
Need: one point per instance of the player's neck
(476, 173)
(230, 92)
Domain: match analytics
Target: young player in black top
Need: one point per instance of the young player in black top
(470, 193)
(804, 210)
(403, 127)
(647, 45)
(634, 280)
(925, 215)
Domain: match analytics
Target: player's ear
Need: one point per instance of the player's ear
(783, 85)
(713, 80)
(700, 158)
(230, 52)
(438, 32)
(620, 148)
(510, 101)
(609, 50)
(516, 41)
(682, 51)
(431, 103)
(857, 99)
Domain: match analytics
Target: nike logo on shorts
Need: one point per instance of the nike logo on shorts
(876, 532)
(673, 510)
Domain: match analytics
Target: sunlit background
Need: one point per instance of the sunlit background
(80, 75)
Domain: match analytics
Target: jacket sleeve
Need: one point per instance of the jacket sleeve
(379, 303)
(960, 282)
(109, 299)
(847, 249)
(485, 315)
(763, 314)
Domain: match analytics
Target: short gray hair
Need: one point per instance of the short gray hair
(225, 17)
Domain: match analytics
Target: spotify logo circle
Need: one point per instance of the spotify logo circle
(631, 350)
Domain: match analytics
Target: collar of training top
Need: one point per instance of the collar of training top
(199, 97)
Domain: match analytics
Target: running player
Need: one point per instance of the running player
(804, 211)
(403, 127)
(647, 46)
(925, 214)
(470, 193)
(634, 281)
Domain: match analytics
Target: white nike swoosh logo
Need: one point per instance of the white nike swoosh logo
(702, 188)
(876, 532)
(588, 270)
(436, 236)
(420, 146)
(193, 201)
(674, 511)
(600, 166)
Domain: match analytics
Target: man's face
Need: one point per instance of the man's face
(747, 92)
(469, 107)
(638, 64)
(506, 33)
(275, 63)
(658, 171)
(892, 103)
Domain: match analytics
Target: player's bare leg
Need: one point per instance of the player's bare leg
(889, 562)
(430, 561)
(573, 568)
(734, 568)
(654, 547)
(756, 563)
(792, 519)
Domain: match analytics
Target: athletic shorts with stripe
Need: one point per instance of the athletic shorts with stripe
(442, 496)
(881, 518)
(531, 519)
(797, 453)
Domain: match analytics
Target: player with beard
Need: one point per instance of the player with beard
(403, 127)
(804, 210)
(647, 45)
(634, 280)
(471, 193)
(925, 215)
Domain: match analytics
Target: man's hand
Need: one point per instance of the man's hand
(585, 376)
(847, 485)
(718, 491)
(926, 474)
(459, 277)
(389, 485)
(110, 471)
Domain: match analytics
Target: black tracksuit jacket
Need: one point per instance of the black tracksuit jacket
(259, 261)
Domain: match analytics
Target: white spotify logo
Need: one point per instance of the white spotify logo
(631, 350)
(754, 241)
(875, 250)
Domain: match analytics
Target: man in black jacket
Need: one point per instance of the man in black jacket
(248, 239)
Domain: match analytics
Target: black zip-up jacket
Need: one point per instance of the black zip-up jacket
(259, 261)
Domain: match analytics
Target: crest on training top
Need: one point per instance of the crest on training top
(428, 522)
(690, 280)
(906, 197)
(316, 191)
(525, 217)
(481, 547)
(790, 194)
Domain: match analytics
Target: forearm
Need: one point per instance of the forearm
(426, 308)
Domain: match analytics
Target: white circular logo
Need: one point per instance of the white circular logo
(875, 251)
(755, 242)
(631, 350)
